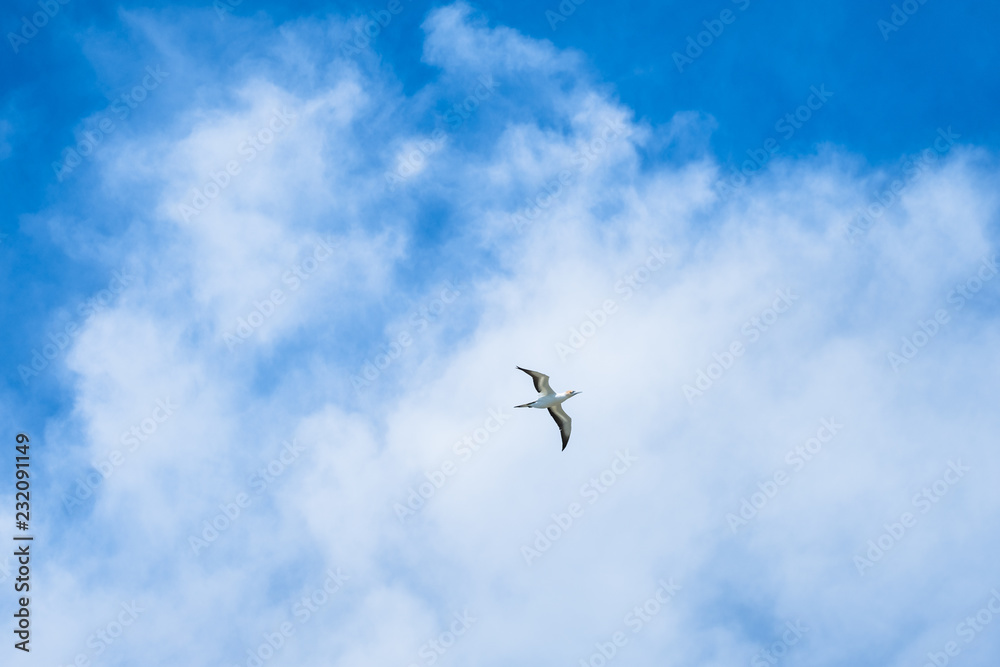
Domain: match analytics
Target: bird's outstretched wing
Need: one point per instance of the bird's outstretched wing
(564, 422)
(541, 381)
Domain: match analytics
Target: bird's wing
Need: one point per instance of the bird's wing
(564, 422)
(541, 381)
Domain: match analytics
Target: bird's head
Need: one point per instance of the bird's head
(572, 392)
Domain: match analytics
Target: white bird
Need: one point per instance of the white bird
(552, 401)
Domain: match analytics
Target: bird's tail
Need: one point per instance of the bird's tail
(526, 405)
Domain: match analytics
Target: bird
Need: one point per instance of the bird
(552, 401)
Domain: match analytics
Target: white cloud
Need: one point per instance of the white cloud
(664, 517)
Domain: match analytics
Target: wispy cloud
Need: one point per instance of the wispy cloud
(760, 319)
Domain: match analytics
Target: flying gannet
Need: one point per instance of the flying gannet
(551, 400)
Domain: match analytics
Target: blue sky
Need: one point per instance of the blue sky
(285, 286)
(888, 94)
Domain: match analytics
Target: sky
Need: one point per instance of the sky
(270, 268)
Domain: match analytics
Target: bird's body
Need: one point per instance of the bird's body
(551, 401)
(548, 400)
